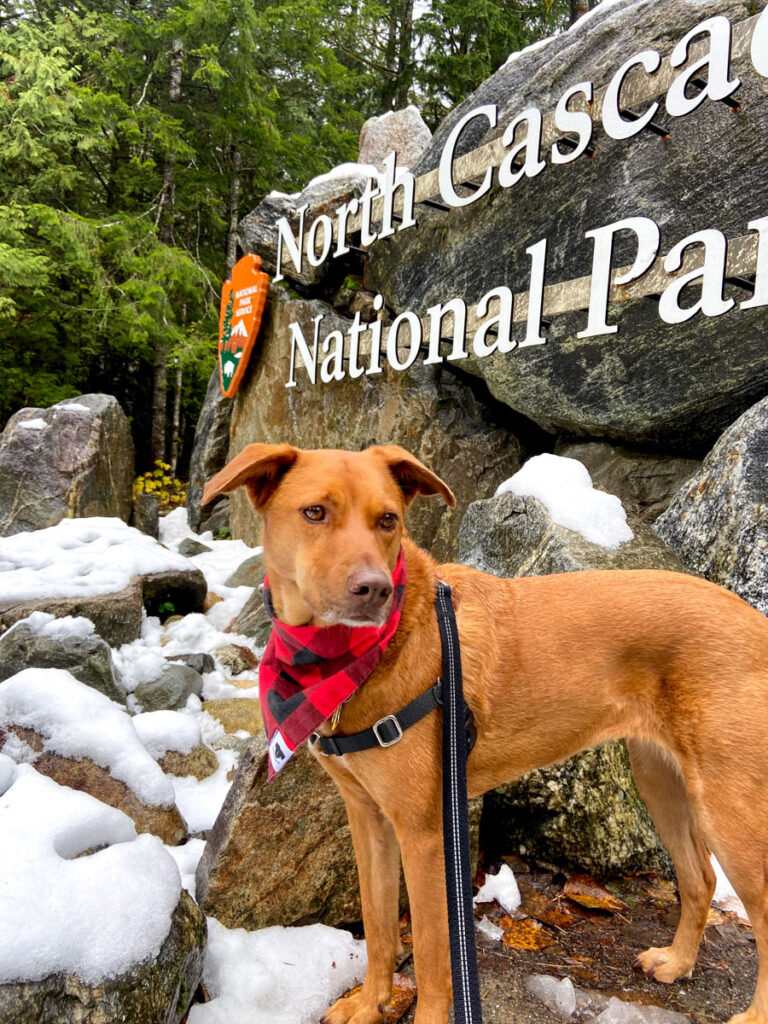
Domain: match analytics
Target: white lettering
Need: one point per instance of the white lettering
(711, 274)
(578, 121)
(509, 170)
(445, 170)
(614, 124)
(718, 62)
(309, 359)
(285, 234)
(648, 240)
(501, 324)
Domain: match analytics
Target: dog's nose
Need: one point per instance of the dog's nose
(370, 588)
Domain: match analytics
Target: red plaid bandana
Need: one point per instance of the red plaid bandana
(307, 672)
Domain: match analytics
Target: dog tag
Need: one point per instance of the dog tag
(335, 717)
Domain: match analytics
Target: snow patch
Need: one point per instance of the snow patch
(276, 975)
(67, 627)
(80, 558)
(7, 772)
(77, 721)
(72, 407)
(34, 424)
(538, 45)
(501, 887)
(161, 731)
(200, 800)
(187, 858)
(93, 915)
(726, 897)
(564, 486)
(349, 170)
(492, 931)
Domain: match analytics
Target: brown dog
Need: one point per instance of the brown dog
(552, 664)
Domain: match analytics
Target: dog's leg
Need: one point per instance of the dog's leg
(378, 865)
(424, 867)
(739, 838)
(662, 787)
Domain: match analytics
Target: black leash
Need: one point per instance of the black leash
(459, 735)
(461, 920)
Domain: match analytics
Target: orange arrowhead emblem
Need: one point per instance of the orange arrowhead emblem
(242, 305)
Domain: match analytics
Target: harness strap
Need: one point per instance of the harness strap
(389, 730)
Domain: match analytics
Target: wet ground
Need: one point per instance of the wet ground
(596, 949)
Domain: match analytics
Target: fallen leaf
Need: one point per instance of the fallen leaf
(662, 891)
(528, 934)
(536, 904)
(585, 890)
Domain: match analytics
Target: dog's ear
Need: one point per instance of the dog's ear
(259, 468)
(411, 475)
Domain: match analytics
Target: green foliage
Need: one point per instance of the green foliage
(115, 198)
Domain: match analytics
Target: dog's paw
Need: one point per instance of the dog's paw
(664, 964)
(353, 1010)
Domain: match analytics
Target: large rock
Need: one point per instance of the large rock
(652, 382)
(718, 522)
(514, 535)
(585, 812)
(403, 132)
(279, 853)
(427, 410)
(155, 991)
(171, 689)
(209, 452)
(83, 774)
(44, 642)
(646, 482)
(117, 617)
(324, 195)
(72, 460)
(97, 568)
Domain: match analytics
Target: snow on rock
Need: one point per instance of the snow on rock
(45, 624)
(619, 1012)
(187, 858)
(93, 915)
(199, 800)
(77, 721)
(276, 975)
(80, 558)
(142, 661)
(33, 424)
(161, 731)
(564, 486)
(501, 887)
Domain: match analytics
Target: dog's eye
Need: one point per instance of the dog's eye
(388, 521)
(314, 513)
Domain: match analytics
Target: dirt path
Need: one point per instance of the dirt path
(597, 951)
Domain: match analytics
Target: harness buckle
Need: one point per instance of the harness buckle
(383, 721)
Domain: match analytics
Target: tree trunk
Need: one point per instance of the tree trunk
(404, 55)
(578, 7)
(176, 422)
(165, 232)
(234, 211)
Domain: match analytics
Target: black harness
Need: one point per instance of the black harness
(459, 735)
(389, 730)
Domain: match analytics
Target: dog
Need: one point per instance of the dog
(552, 665)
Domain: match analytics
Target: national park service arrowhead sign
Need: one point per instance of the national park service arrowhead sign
(242, 304)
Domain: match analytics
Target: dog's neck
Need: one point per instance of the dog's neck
(290, 607)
